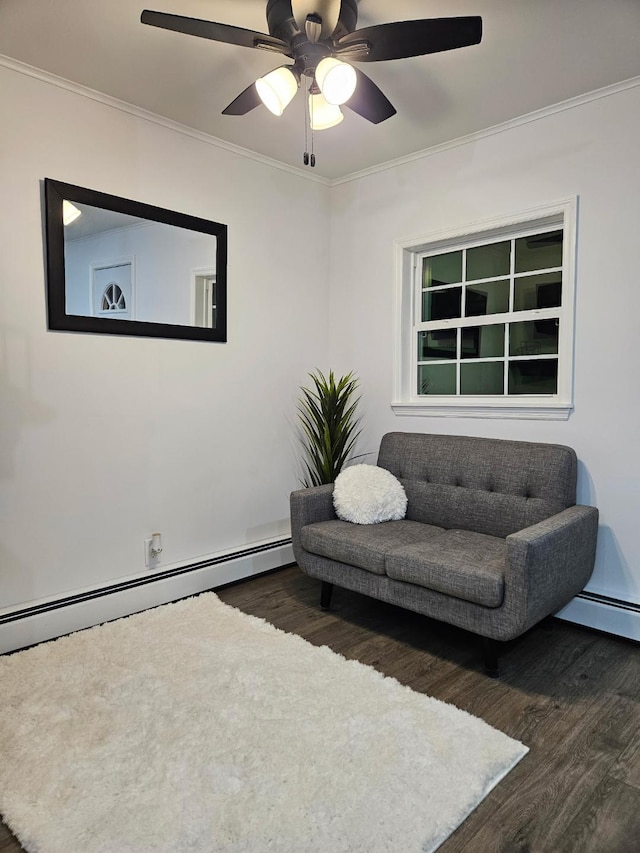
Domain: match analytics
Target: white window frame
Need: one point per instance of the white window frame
(406, 400)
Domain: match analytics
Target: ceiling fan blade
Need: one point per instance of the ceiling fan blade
(410, 38)
(328, 10)
(244, 103)
(369, 101)
(216, 32)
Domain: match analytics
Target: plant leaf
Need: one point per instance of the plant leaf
(328, 417)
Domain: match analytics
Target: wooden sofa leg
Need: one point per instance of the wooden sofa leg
(490, 649)
(325, 595)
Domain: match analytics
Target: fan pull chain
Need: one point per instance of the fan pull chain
(305, 156)
(308, 159)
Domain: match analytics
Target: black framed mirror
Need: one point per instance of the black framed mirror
(122, 267)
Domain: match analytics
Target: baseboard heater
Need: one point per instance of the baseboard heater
(612, 602)
(53, 617)
(46, 619)
(232, 556)
(604, 613)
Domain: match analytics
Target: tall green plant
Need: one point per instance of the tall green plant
(327, 413)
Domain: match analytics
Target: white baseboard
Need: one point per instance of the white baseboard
(604, 614)
(43, 620)
(53, 617)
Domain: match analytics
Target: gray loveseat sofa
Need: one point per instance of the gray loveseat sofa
(492, 542)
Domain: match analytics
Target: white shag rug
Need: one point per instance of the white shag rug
(194, 727)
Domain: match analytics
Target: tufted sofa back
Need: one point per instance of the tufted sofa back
(486, 485)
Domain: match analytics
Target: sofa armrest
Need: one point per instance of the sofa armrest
(550, 562)
(307, 507)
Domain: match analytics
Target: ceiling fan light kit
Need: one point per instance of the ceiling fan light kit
(321, 38)
(323, 114)
(277, 88)
(336, 79)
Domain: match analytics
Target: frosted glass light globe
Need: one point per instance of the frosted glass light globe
(276, 89)
(323, 114)
(336, 79)
(69, 212)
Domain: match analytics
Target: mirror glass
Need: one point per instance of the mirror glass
(122, 267)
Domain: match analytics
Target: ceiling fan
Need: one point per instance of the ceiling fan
(321, 38)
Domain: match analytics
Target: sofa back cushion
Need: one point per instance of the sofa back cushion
(486, 485)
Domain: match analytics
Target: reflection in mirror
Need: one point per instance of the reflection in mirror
(123, 267)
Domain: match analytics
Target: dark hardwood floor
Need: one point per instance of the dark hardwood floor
(570, 694)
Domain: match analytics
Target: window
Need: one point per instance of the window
(113, 298)
(486, 319)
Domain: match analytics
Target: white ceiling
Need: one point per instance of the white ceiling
(534, 53)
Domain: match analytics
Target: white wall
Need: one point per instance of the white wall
(589, 151)
(105, 439)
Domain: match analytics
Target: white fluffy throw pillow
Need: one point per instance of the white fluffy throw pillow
(366, 494)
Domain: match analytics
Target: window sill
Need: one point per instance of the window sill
(524, 410)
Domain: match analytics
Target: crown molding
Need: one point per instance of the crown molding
(138, 112)
(154, 118)
(536, 115)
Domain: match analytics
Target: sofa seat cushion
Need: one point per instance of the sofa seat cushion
(365, 546)
(460, 563)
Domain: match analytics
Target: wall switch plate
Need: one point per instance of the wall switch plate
(151, 560)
